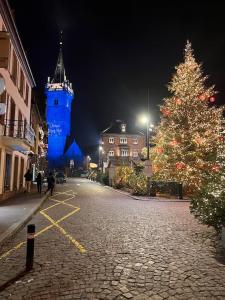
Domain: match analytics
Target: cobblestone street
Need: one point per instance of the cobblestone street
(95, 243)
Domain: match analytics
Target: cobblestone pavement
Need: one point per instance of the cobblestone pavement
(134, 250)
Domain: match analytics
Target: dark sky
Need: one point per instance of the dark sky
(115, 50)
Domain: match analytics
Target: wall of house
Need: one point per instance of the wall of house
(17, 97)
(117, 146)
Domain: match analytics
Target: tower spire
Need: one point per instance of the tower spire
(59, 75)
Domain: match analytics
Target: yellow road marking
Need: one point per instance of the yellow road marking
(63, 231)
(54, 223)
(12, 250)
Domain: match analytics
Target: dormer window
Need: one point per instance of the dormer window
(56, 102)
(123, 127)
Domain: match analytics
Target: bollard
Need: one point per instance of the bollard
(180, 191)
(30, 247)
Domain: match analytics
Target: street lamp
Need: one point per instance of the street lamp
(144, 119)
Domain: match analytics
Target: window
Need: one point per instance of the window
(135, 141)
(2, 100)
(111, 140)
(111, 153)
(123, 140)
(135, 153)
(124, 152)
(8, 161)
(14, 68)
(56, 101)
(21, 88)
(27, 94)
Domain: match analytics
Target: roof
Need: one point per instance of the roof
(116, 128)
(59, 76)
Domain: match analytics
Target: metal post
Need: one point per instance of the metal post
(30, 246)
(180, 191)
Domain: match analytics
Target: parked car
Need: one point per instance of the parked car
(84, 175)
(60, 177)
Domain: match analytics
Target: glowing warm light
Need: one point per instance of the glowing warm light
(144, 119)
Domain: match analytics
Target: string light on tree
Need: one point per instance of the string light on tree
(186, 114)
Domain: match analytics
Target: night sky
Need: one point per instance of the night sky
(115, 50)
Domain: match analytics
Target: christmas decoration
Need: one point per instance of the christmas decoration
(216, 168)
(221, 139)
(189, 133)
(159, 150)
(173, 143)
(180, 165)
(166, 112)
(178, 101)
(212, 99)
(202, 97)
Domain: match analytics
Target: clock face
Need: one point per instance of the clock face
(2, 85)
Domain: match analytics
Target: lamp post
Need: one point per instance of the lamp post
(149, 127)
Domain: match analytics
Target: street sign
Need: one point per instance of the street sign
(2, 85)
(2, 108)
(148, 168)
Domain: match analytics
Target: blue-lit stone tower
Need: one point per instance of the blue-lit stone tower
(62, 148)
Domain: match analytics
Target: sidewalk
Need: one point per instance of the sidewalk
(15, 212)
(148, 198)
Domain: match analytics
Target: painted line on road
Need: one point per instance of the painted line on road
(63, 231)
(54, 223)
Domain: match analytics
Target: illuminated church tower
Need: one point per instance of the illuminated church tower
(62, 148)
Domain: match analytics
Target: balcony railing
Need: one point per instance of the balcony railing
(19, 130)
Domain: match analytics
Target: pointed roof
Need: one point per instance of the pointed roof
(60, 75)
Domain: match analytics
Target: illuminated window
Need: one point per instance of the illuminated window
(111, 140)
(135, 141)
(56, 101)
(123, 140)
(111, 153)
(124, 152)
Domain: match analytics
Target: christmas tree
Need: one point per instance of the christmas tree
(189, 134)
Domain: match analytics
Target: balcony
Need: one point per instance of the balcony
(17, 135)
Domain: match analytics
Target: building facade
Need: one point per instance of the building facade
(16, 133)
(62, 148)
(120, 145)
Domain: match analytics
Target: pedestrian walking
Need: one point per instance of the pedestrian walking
(51, 183)
(39, 182)
(28, 179)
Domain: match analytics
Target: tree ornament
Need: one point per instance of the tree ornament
(166, 112)
(212, 99)
(216, 168)
(159, 150)
(202, 97)
(178, 101)
(221, 138)
(173, 143)
(180, 165)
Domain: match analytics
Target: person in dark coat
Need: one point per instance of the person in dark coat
(28, 179)
(51, 183)
(39, 182)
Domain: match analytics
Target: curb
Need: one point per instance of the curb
(17, 226)
(154, 199)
